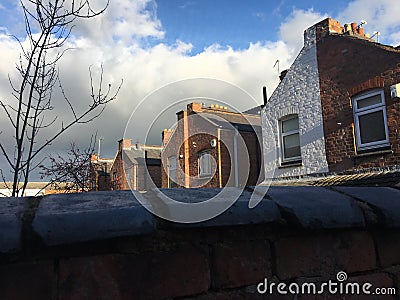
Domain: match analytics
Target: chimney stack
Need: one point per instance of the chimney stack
(124, 144)
(166, 135)
(195, 107)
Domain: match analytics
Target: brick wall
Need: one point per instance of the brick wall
(218, 263)
(349, 65)
(118, 179)
(224, 264)
(147, 176)
(105, 245)
(198, 137)
(155, 174)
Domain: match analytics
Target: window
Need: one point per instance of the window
(204, 163)
(370, 120)
(290, 139)
(172, 172)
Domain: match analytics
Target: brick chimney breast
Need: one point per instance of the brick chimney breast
(195, 107)
(166, 135)
(124, 144)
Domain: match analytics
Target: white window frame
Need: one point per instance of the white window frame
(205, 155)
(284, 134)
(357, 112)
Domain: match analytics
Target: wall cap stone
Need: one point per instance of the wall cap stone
(73, 218)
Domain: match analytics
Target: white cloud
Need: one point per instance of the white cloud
(382, 16)
(123, 20)
(115, 40)
(291, 31)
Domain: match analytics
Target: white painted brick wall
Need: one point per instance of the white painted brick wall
(297, 93)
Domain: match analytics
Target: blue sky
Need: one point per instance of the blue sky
(153, 43)
(235, 23)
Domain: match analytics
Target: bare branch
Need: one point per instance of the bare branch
(48, 25)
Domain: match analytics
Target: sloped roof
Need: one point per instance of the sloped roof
(235, 118)
(150, 156)
(254, 111)
(366, 178)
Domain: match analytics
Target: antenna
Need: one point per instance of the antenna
(98, 152)
(377, 34)
(363, 22)
(277, 63)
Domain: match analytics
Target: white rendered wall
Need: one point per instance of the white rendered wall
(298, 93)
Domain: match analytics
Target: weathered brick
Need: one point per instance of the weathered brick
(324, 254)
(194, 135)
(344, 76)
(31, 280)
(388, 247)
(239, 295)
(147, 276)
(240, 264)
(344, 289)
(378, 280)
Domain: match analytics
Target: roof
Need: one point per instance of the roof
(38, 185)
(366, 41)
(151, 156)
(241, 126)
(254, 111)
(235, 118)
(153, 152)
(357, 178)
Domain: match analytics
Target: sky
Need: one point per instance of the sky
(155, 45)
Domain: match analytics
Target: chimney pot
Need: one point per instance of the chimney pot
(354, 27)
(124, 144)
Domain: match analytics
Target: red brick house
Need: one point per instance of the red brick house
(136, 166)
(212, 147)
(361, 114)
(100, 179)
(337, 109)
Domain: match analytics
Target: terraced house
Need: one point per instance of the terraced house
(212, 147)
(136, 166)
(337, 108)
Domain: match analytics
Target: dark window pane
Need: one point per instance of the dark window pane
(372, 127)
(291, 145)
(376, 99)
(290, 125)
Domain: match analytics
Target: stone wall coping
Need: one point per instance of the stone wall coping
(80, 217)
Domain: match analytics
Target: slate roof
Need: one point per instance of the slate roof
(390, 178)
(254, 111)
(244, 122)
(150, 156)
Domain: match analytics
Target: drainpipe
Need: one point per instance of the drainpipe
(235, 156)
(186, 148)
(219, 158)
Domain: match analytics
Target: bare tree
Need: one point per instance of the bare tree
(70, 171)
(48, 25)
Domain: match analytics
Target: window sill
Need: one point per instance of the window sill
(373, 152)
(205, 176)
(289, 164)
